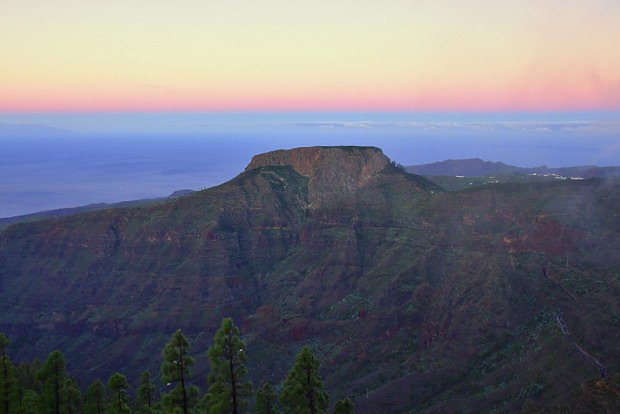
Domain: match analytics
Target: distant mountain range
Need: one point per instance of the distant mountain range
(475, 167)
(62, 212)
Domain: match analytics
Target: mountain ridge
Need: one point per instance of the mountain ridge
(414, 299)
(68, 211)
(476, 167)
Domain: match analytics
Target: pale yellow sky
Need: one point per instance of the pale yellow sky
(241, 54)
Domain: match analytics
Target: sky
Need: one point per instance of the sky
(319, 55)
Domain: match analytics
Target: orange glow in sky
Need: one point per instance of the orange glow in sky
(70, 55)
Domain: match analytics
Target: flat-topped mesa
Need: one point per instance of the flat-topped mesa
(331, 171)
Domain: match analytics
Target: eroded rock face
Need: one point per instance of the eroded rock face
(333, 172)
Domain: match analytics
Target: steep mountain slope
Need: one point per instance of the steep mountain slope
(415, 299)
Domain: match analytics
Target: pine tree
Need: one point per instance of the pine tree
(344, 407)
(145, 394)
(94, 399)
(27, 375)
(71, 397)
(228, 392)
(194, 400)
(176, 368)
(8, 381)
(28, 387)
(53, 374)
(303, 388)
(28, 402)
(266, 400)
(119, 398)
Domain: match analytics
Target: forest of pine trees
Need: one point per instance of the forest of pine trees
(47, 388)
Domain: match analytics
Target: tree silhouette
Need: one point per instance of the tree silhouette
(53, 374)
(176, 368)
(145, 394)
(228, 392)
(8, 382)
(344, 407)
(71, 396)
(94, 398)
(118, 387)
(303, 388)
(266, 400)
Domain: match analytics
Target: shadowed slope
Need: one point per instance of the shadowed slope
(413, 298)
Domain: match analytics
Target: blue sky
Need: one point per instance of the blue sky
(522, 138)
(201, 122)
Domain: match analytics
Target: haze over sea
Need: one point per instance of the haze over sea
(54, 160)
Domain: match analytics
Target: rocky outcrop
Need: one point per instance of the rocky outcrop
(332, 172)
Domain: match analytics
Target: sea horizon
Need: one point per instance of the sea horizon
(51, 160)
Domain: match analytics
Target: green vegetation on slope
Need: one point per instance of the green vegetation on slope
(415, 299)
(53, 391)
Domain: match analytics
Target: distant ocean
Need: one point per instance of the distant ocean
(48, 163)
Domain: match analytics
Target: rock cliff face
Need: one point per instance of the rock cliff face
(332, 171)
